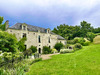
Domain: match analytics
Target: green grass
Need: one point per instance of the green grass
(83, 62)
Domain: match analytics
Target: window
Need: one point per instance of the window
(24, 34)
(49, 39)
(24, 27)
(39, 39)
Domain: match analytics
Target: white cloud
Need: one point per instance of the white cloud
(61, 11)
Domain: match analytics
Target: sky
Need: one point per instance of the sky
(51, 13)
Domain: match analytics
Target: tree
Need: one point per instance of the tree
(8, 42)
(46, 50)
(90, 36)
(85, 27)
(21, 44)
(2, 26)
(58, 46)
(33, 48)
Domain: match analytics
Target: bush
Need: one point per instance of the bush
(54, 50)
(86, 43)
(70, 42)
(58, 46)
(27, 53)
(79, 40)
(46, 50)
(33, 48)
(67, 45)
(77, 46)
(8, 42)
(62, 51)
(90, 36)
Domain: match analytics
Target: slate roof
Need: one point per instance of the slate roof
(34, 28)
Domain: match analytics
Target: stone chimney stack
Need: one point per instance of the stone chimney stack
(7, 24)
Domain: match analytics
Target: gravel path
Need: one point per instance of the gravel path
(47, 56)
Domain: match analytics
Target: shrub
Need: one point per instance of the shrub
(70, 42)
(8, 42)
(77, 46)
(58, 46)
(54, 50)
(27, 53)
(46, 50)
(86, 43)
(62, 51)
(67, 45)
(33, 48)
(90, 36)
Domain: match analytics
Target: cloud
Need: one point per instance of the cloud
(52, 12)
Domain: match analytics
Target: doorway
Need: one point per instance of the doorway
(40, 50)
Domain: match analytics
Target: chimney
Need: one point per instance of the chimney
(7, 24)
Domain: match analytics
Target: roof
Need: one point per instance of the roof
(60, 38)
(34, 28)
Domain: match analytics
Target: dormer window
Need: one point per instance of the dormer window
(24, 27)
(48, 30)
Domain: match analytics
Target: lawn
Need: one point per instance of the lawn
(83, 62)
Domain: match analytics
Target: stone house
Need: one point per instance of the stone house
(36, 36)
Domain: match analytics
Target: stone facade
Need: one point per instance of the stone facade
(36, 36)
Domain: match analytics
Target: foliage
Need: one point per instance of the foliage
(77, 46)
(76, 40)
(90, 36)
(21, 44)
(8, 42)
(62, 51)
(27, 53)
(58, 46)
(46, 50)
(2, 26)
(54, 50)
(33, 48)
(86, 43)
(67, 45)
(70, 32)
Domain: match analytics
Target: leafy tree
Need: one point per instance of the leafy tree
(58, 46)
(33, 48)
(2, 26)
(21, 44)
(90, 36)
(8, 42)
(85, 27)
(46, 50)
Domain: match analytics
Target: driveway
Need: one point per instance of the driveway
(47, 56)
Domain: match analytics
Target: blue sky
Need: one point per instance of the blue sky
(51, 13)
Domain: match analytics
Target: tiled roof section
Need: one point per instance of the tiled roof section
(34, 28)
(60, 38)
(16, 26)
